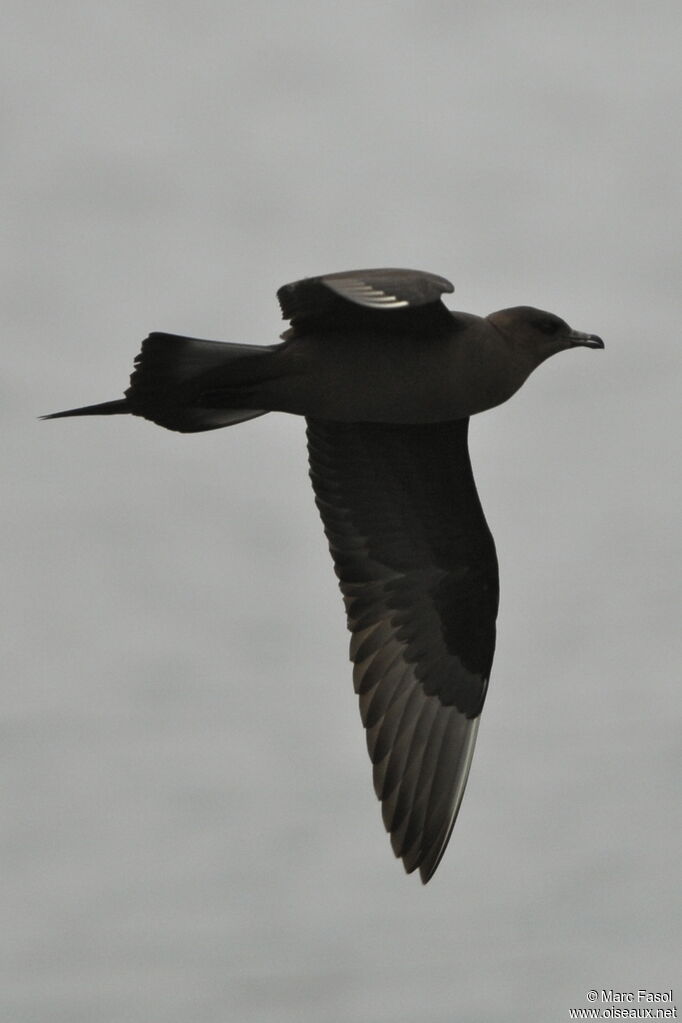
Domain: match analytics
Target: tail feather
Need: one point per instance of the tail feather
(177, 380)
(105, 408)
(172, 374)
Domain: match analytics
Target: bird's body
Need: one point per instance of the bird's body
(387, 379)
(352, 377)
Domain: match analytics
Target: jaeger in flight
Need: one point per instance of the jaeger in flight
(387, 379)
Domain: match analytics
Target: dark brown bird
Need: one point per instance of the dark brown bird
(387, 379)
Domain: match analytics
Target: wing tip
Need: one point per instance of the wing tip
(428, 858)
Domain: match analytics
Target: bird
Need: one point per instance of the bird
(387, 378)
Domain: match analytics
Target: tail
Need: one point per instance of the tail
(106, 408)
(175, 381)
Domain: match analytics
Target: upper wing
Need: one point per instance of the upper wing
(418, 571)
(386, 299)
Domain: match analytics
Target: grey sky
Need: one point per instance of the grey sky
(189, 827)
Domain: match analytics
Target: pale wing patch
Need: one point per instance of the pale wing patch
(354, 289)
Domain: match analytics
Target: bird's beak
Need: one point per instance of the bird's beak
(576, 337)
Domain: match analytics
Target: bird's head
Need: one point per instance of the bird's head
(538, 333)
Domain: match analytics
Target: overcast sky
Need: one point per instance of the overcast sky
(189, 828)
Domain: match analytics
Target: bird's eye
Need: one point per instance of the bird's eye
(548, 325)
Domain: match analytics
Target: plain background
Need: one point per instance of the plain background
(189, 830)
